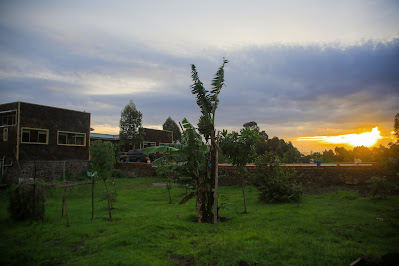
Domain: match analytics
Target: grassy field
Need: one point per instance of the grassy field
(332, 228)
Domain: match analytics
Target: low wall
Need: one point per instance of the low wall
(312, 176)
(316, 177)
(137, 169)
(47, 170)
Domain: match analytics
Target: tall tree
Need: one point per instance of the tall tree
(251, 125)
(396, 127)
(171, 125)
(130, 127)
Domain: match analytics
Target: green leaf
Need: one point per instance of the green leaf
(187, 197)
(162, 149)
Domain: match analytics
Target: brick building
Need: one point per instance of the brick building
(37, 140)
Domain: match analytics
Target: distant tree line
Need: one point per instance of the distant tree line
(282, 151)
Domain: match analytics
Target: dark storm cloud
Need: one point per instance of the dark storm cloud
(275, 85)
(296, 84)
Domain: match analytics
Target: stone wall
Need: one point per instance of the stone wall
(311, 176)
(47, 170)
(137, 169)
(317, 177)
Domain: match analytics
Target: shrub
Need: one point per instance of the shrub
(381, 187)
(83, 175)
(276, 184)
(27, 201)
(117, 173)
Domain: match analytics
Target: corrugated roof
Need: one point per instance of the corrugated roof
(102, 136)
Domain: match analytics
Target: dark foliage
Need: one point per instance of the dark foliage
(275, 183)
(171, 125)
(380, 187)
(27, 201)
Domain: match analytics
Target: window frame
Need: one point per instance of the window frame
(149, 142)
(8, 113)
(70, 132)
(38, 129)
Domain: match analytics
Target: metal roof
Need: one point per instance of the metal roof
(103, 136)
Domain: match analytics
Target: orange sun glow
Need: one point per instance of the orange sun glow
(367, 139)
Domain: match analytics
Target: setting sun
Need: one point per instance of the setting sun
(367, 139)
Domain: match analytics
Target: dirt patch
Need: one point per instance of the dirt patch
(182, 260)
(159, 184)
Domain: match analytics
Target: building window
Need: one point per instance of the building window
(149, 144)
(163, 144)
(71, 138)
(34, 135)
(8, 118)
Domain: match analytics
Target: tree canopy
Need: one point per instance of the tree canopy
(251, 125)
(396, 127)
(130, 127)
(171, 125)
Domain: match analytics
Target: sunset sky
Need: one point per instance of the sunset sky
(300, 69)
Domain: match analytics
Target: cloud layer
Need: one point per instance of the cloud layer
(298, 86)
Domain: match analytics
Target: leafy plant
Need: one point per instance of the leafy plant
(239, 149)
(380, 187)
(193, 158)
(27, 201)
(276, 183)
(103, 161)
(163, 171)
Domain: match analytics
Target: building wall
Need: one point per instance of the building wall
(33, 144)
(54, 120)
(8, 148)
(49, 171)
(158, 136)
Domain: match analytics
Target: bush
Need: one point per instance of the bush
(27, 201)
(83, 175)
(117, 173)
(381, 187)
(276, 184)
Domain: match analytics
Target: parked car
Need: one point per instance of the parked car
(134, 156)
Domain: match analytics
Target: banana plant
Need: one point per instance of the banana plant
(188, 159)
(196, 159)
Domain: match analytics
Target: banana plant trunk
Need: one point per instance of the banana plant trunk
(205, 189)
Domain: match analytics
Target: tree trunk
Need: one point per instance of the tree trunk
(243, 194)
(109, 202)
(170, 196)
(215, 195)
(92, 198)
(64, 190)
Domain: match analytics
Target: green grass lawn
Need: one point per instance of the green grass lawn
(333, 228)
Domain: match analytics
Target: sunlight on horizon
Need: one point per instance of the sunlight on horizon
(367, 139)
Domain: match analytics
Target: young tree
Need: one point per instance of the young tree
(171, 125)
(103, 161)
(130, 127)
(239, 149)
